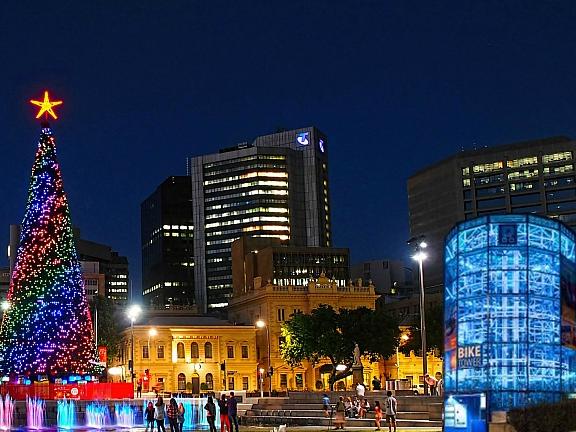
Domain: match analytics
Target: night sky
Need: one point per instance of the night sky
(395, 86)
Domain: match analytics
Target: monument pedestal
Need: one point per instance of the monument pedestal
(357, 374)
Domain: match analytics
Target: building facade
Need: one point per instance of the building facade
(94, 280)
(510, 310)
(177, 352)
(274, 304)
(392, 278)
(4, 282)
(274, 187)
(167, 234)
(528, 177)
(268, 260)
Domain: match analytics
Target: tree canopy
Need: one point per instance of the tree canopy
(109, 328)
(329, 334)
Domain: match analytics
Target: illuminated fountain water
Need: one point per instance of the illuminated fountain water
(35, 409)
(66, 414)
(6, 412)
(97, 415)
(125, 415)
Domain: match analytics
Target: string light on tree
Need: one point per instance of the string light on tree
(47, 328)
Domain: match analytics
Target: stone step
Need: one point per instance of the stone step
(404, 406)
(323, 421)
(418, 415)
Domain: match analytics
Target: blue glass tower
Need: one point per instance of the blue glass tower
(510, 310)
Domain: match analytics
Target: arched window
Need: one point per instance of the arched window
(194, 350)
(180, 350)
(208, 352)
(181, 382)
(209, 381)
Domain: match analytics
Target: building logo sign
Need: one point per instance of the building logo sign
(321, 145)
(507, 235)
(303, 138)
(470, 357)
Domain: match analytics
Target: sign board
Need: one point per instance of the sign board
(465, 413)
(103, 354)
(470, 357)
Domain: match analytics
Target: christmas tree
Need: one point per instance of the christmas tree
(47, 328)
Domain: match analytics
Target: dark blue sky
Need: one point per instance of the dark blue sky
(394, 85)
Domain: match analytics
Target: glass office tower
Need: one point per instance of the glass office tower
(510, 302)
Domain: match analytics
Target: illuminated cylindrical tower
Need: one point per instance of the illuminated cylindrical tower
(510, 310)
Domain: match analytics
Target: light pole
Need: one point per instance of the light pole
(261, 324)
(133, 313)
(261, 370)
(419, 255)
(404, 338)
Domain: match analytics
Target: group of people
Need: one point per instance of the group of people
(354, 408)
(156, 413)
(227, 406)
(436, 385)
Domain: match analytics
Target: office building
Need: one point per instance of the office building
(167, 244)
(526, 177)
(392, 278)
(268, 260)
(4, 282)
(273, 187)
(113, 266)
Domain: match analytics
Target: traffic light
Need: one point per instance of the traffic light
(270, 371)
(223, 366)
(130, 365)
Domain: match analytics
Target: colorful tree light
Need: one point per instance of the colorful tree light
(47, 330)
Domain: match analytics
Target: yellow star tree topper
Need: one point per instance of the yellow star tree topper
(46, 106)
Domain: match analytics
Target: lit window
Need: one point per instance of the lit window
(558, 169)
(488, 167)
(518, 163)
(466, 182)
(529, 173)
(244, 351)
(230, 351)
(180, 350)
(466, 171)
(160, 351)
(557, 157)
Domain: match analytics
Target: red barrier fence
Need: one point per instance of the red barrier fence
(87, 391)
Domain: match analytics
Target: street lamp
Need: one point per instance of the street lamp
(133, 313)
(261, 324)
(403, 338)
(419, 255)
(261, 370)
(5, 305)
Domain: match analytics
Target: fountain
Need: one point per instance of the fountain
(125, 415)
(35, 413)
(97, 415)
(66, 417)
(6, 412)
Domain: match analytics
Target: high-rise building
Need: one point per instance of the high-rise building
(4, 282)
(526, 177)
(167, 244)
(113, 266)
(274, 187)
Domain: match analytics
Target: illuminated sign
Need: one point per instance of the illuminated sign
(46, 106)
(303, 138)
(321, 145)
(470, 356)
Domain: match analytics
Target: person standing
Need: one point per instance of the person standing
(431, 381)
(376, 385)
(377, 414)
(139, 388)
(172, 414)
(391, 409)
(233, 411)
(159, 414)
(224, 419)
(340, 414)
(360, 390)
(149, 415)
(211, 413)
(180, 416)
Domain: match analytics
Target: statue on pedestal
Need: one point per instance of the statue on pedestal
(357, 361)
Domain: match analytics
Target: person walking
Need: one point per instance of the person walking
(325, 404)
(340, 414)
(377, 414)
(224, 419)
(233, 411)
(391, 409)
(180, 416)
(159, 414)
(172, 414)
(211, 413)
(149, 415)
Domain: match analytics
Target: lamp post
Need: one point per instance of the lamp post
(261, 324)
(419, 255)
(133, 313)
(404, 338)
(261, 370)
